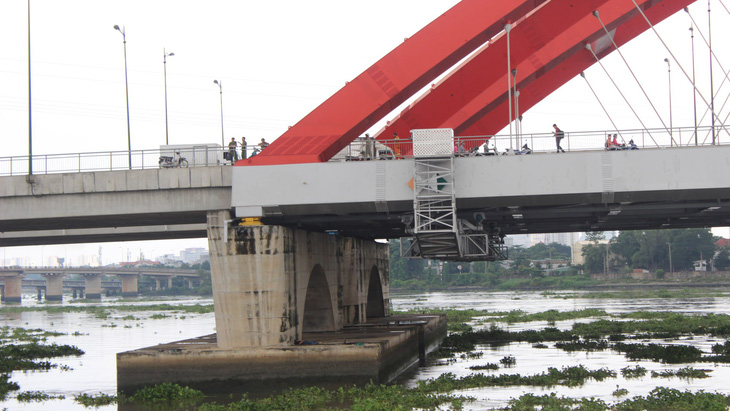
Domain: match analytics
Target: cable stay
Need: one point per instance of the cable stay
(714, 115)
(588, 46)
(615, 127)
(726, 77)
(618, 50)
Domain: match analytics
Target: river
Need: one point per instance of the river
(101, 338)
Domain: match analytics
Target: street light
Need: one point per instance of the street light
(220, 86)
(669, 74)
(165, 54)
(126, 90)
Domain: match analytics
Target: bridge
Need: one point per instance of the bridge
(91, 285)
(291, 233)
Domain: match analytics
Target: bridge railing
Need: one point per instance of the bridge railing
(545, 142)
(196, 156)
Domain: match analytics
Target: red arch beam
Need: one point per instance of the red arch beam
(392, 80)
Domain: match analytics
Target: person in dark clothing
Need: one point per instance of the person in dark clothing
(559, 135)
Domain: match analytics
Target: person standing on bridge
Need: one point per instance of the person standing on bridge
(263, 144)
(368, 147)
(559, 135)
(244, 155)
(232, 153)
(397, 147)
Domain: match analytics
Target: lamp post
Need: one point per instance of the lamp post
(694, 85)
(126, 90)
(30, 107)
(165, 54)
(669, 75)
(220, 86)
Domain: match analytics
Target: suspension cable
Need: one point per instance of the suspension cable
(618, 50)
(726, 74)
(582, 74)
(588, 46)
(714, 115)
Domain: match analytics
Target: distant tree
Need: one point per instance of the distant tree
(594, 255)
(722, 260)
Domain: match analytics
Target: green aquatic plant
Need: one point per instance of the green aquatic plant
(669, 354)
(570, 376)
(98, 400)
(583, 345)
(685, 373)
(37, 396)
(166, 392)
(636, 372)
(487, 366)
(6, 385)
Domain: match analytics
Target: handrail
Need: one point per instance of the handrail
(212, 155)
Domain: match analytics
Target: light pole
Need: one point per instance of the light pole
(220, 86)
(669, 75)
(30, 107)
(126, 91)
(694, 84)
(165, 54)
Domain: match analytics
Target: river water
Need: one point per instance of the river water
(95, 371)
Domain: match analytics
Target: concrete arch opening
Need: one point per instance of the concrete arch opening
(318, 313)
(376, 305)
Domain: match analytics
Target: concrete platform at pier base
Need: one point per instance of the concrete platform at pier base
(376, 351)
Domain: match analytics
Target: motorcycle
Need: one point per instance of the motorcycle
(525, 150)
(173, 161)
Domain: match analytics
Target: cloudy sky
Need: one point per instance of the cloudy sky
(277, 60)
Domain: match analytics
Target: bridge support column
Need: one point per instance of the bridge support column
(93, 286)
(54, 286)
(130, 283)
(271, 284)
(13, 285)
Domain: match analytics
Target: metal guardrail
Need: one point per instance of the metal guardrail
(212, 155)
(196, 156)
(545, 142)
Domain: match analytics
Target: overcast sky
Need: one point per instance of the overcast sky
(277, 60)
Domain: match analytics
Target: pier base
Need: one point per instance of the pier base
(377, 351)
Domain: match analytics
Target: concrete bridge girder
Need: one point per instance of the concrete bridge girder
(272, 283)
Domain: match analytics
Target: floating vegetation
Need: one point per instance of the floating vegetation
(508, 361)
(167, 392)
(6, 385)
(370, 397)
(8, 333)
(569, 376)
(636, 372)
(552, 316)
(659, 399)
(620, 392)
(583, 345)
(104, 312)
(487, 366)
(98, 400)
(668, 354)
(685, 373)
(37, 396)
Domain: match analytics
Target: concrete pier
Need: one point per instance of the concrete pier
(271, 284)
(291, 305)
(12, 285)
(130, 284)
(93, 286)
(54, 286)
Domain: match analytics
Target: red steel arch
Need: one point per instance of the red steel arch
(547, 49)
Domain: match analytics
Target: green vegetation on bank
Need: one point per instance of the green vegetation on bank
(103, 312)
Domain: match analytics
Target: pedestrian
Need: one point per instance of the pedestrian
(232, 153)
(263, 144)
(244, 145)
(368, 147)
(396, 146)
(559, 135)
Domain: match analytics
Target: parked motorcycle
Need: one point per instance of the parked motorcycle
(172, 162)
